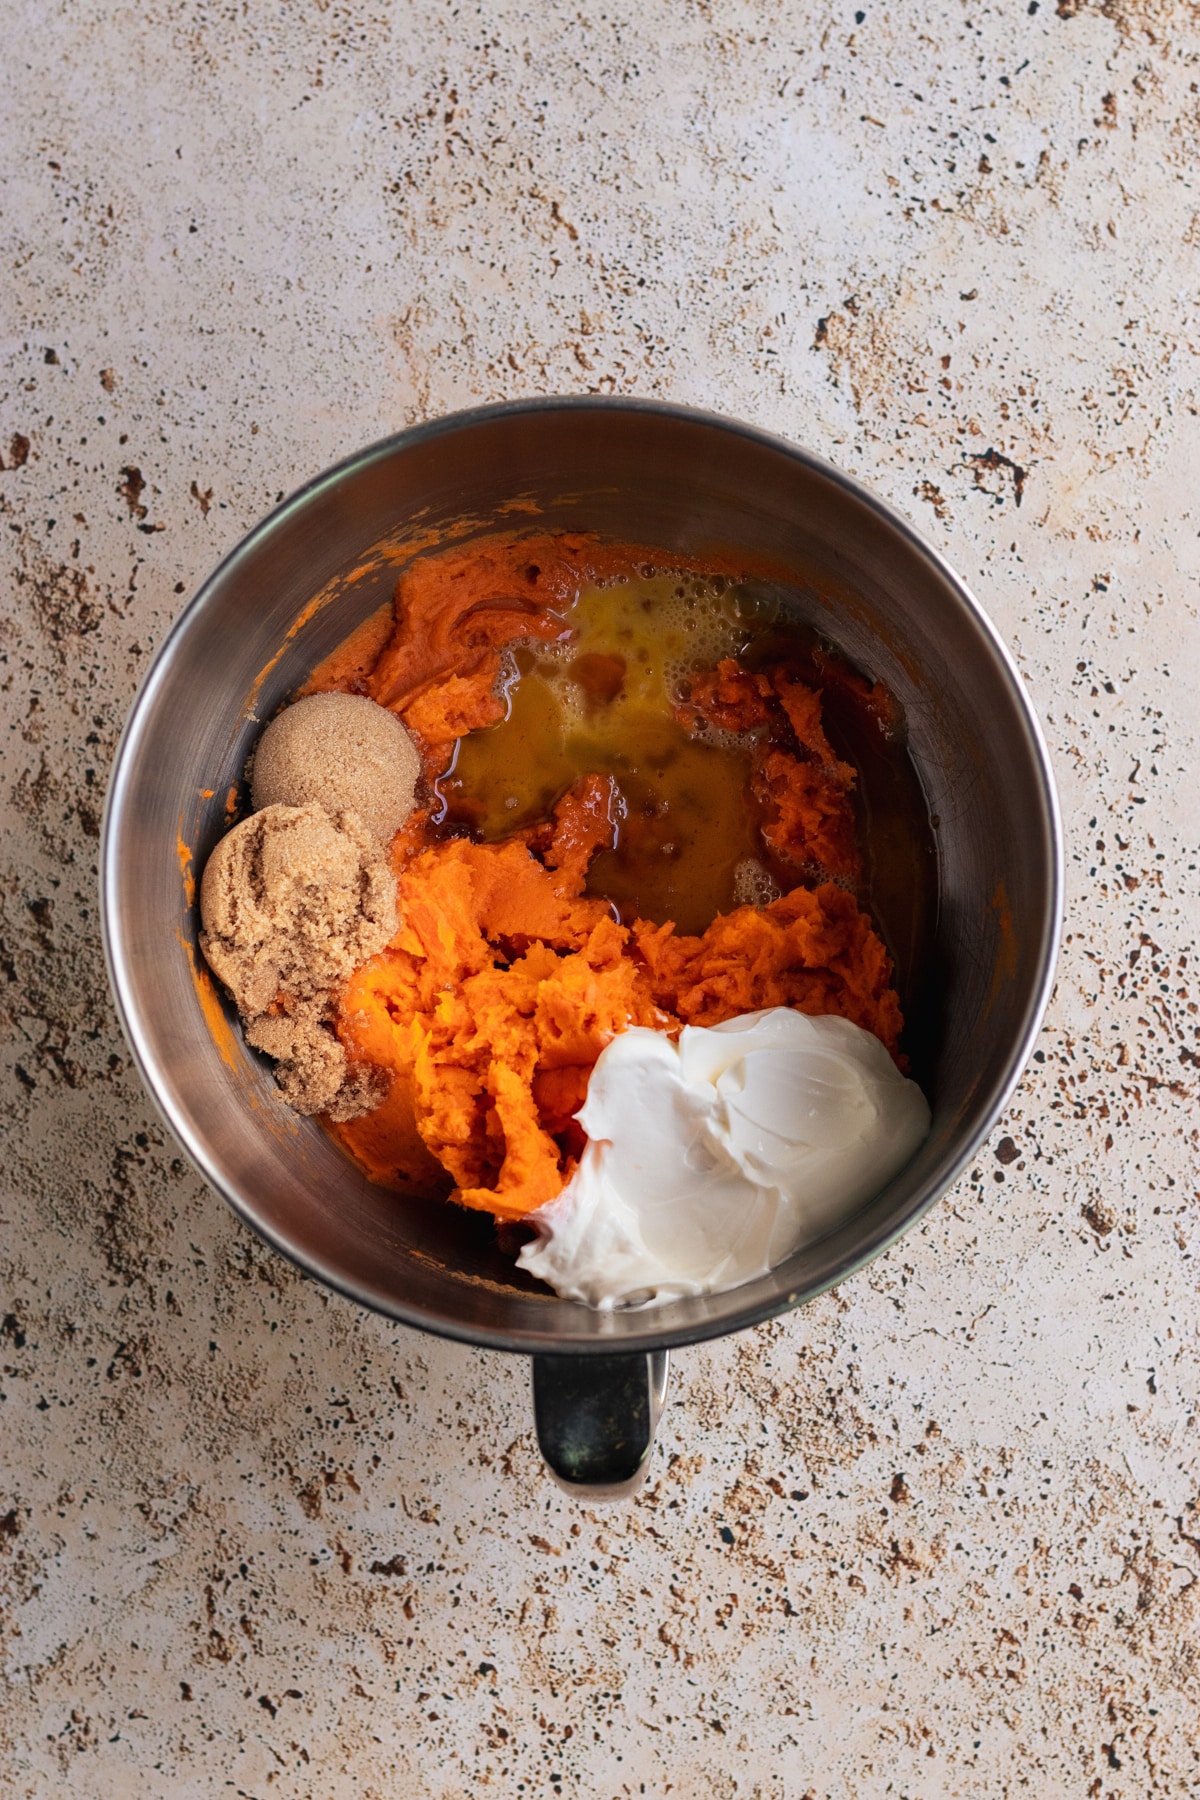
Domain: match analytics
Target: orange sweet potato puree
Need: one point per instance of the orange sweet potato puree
(505, 980)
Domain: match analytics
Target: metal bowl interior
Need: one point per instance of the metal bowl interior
(632, 471)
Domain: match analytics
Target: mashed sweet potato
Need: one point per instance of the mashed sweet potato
(505, 980)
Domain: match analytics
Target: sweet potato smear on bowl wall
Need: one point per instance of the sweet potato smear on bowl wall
(507, 978)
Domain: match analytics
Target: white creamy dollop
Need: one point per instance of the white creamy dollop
(709, 1162)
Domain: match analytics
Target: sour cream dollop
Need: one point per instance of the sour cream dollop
(710, 1161)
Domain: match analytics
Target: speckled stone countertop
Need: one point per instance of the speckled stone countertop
(939, 1533)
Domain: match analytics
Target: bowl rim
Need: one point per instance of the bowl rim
(533, 1342)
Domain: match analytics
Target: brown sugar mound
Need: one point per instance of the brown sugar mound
(343, 752)
(292, 902)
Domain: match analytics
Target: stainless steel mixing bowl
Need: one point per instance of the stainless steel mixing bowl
(634, 471)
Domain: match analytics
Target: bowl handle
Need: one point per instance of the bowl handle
(596, 1417)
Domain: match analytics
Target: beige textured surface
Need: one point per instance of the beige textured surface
(939, 1535)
